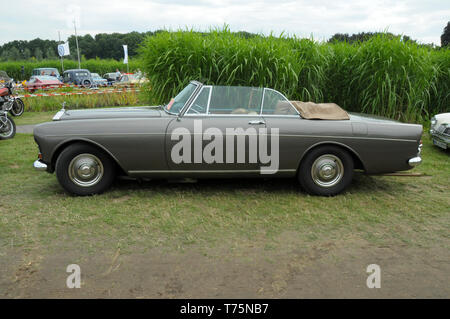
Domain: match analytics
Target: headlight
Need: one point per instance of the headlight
(433, 121)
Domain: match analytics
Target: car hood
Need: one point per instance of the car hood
(442, 119)
(108, 113)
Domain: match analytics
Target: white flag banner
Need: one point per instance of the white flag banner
(63, 49)
(125, 53)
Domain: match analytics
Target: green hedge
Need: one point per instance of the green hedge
(94, 65)
(384, 75)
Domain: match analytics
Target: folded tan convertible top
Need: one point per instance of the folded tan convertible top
(320, 111)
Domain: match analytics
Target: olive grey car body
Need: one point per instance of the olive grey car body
(138, 139)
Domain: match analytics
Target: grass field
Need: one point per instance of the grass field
(28, 118)
(35, 211)
(222, 238)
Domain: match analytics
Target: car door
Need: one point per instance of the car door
(216, 135)
(282, 119)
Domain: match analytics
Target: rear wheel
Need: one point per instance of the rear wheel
(326, 171)
(87, 83)
(83, 169)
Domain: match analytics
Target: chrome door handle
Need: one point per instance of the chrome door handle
(256, 122)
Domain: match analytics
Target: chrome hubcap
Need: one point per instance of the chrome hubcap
(85, 170)
(327, 170)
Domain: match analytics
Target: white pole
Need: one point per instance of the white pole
(62, 56)
(76, 40)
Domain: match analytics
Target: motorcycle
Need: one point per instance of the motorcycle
(10, 103)
(7, 126)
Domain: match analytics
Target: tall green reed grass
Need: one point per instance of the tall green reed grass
(384, 75)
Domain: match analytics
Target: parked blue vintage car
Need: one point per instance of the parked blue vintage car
(78, 77)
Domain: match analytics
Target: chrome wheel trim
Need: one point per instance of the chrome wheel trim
(85, 170)
(327, 170)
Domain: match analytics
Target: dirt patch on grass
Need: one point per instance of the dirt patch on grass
(332, 269)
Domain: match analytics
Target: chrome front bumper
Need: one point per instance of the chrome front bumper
(38, 165)
(415, 161)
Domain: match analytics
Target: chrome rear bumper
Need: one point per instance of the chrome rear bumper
(38, 165)
(415, 161)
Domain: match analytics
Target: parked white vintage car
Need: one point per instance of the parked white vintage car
(440, 130)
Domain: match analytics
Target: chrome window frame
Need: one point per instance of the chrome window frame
(195, 99)
(189, 101)
(194, 96)
(262, 105)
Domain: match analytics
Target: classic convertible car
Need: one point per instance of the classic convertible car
(221, 131)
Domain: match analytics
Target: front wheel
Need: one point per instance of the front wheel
(83, 169)
(7, 127)
(326, 171)
(18, 107)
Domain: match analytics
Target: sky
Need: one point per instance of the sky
(423, 20)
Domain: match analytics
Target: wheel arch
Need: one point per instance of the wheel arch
(358, 163)
(63, 145)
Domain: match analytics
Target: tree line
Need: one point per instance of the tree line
(102, 45)
(109, 46)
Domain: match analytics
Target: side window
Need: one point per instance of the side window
(201, 102)
(276, 104)
(237, 100)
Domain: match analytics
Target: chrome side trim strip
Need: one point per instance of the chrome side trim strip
(332, 138)
(208, 171)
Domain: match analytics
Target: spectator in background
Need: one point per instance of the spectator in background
(138, 73)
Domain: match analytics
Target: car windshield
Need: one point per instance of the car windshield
(4, 76)
(176, 104)
(127, 77)
(50, 72)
